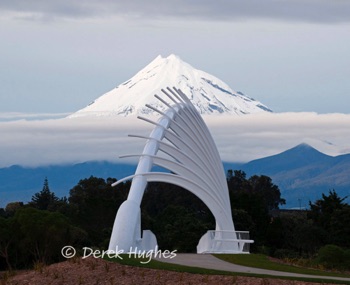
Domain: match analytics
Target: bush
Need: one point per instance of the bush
(285, 253)
(332, 256)
(347, 258)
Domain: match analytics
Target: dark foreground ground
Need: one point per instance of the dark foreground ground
(92, 271)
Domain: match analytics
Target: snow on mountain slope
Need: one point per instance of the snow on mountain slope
(209, 94)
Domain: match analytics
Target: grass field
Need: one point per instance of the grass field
(262, 261)
(252, 260)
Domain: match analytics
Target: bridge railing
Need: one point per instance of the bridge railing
(225, 242)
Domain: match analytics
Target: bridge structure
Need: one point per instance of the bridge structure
(181, 143)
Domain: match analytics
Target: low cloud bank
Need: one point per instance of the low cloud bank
(239, 139)
(13, 116)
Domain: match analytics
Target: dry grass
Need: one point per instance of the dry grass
(92, 271)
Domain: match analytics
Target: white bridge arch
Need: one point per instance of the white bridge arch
(195, 163)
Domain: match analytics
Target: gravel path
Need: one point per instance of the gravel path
(211, 262)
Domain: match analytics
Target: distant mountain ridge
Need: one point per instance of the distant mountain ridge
(302, 174)
(296, 157)
(20, 183)
(208, 94)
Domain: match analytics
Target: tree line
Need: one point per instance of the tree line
(37, 231)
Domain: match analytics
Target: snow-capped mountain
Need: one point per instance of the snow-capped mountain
(209, 94)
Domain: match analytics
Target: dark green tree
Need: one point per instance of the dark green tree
(324, 211)
(12, 207)
(45, 199)
(237, 180)
(257, 196)
(178, 228)
(242, 220)
(93, 204)
(2, 212)
(7, 239)
(269, 192)
(339, 227)
(176, 216)
(301, 235)
(42, 234)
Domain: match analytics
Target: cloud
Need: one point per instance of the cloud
(291, 10)
(12, 116)
(61, 141)
(255, 136)
(33, 143)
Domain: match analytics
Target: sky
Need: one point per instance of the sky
(58, 56)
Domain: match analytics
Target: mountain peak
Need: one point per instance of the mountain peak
(161, 60)
(305, 148)
(302, 153)
(170, 57)
(208, 94)
(173, 57)
(298, 156)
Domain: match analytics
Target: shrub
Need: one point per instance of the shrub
(331, 256)
(347, 259)
(285, 253)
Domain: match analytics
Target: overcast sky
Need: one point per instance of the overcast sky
(57, 56)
